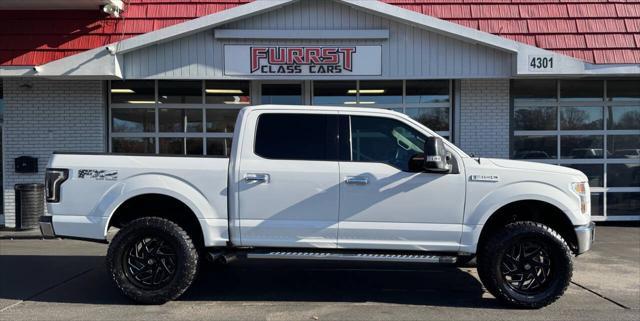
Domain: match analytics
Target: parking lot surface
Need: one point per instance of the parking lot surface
(64, 279)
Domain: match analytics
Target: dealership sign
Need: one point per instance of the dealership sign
(302, 60)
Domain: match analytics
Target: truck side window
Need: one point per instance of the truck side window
(384, 140)
(297, 137)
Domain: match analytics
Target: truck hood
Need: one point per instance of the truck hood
(533, 166)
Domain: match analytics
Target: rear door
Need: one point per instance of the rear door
(288, 180)
(387, 204)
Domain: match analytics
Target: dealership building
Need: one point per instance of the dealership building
(556, 81)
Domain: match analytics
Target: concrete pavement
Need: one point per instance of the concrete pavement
(63, 279)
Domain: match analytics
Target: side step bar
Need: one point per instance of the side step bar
(345, 256)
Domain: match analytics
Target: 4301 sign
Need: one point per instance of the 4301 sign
(302, 60)
(541, 63)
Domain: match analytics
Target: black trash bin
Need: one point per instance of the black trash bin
(29, 205)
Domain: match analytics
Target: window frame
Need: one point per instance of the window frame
(403, 106)
(157, 134)
(605, 103)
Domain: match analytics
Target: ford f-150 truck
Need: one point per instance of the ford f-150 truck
(324, 183)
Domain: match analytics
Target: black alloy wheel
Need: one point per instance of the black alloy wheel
(525, 264)
(526, 267)
(150, 262)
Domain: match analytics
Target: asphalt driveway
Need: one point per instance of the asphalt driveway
(63, 279)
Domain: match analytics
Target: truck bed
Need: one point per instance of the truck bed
(98, 183)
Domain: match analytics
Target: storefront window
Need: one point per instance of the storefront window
(282, 94)
(133, 92)
(179, 92)
(624, 146)
(219, 146)
(581, 90)
(436, 118)
(221, 120)
(334, 93)
(142, 124)
(172, 145)
(534, 147)
(427, 101)
(379, 92)
(133, 120)
(180, 120)
(586, 129)
(227, 92)
(581, 118)
(624, 117)
(535, 118)
(623, 90)
(623, 204)
(537, 89)
(136, 145)
(427, 91)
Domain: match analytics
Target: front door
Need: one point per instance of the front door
(288, 188)
(385, 204)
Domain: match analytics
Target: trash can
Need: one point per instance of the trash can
(29, 205)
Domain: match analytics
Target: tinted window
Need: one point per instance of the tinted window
(527, 89)
(534, 118)
(384, 140)
(297, 136)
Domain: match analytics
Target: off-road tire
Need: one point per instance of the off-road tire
(491, 254)
(186, 259)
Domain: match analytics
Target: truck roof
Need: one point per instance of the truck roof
(320, 107)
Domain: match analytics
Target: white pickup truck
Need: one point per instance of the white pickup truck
(325, 183)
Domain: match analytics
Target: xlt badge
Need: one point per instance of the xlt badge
(484, 178)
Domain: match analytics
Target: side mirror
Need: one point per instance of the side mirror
(436, 157)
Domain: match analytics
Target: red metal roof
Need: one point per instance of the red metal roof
(597, 31)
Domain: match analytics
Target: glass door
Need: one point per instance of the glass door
(282, 93)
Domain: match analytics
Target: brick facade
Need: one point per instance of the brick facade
(484, 117)
(43, 116)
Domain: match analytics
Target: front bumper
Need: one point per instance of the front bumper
(585, 234)
(46, 227)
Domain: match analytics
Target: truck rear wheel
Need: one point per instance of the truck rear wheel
(526, 264)
(152, 260)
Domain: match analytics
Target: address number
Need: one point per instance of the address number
(540, 63)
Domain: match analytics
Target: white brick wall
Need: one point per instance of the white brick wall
(51, 115)
(484, 117)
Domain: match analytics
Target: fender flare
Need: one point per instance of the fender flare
(508, 194)
(155, 183)
(522, 191)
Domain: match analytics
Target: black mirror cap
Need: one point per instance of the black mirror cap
(436, 157)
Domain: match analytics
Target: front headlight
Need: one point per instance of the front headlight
(582, 190)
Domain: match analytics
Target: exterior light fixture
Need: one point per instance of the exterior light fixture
(223, 91)
(113, 8)
(366, 91)
(141, 102)
(359, 103)
(122, 91)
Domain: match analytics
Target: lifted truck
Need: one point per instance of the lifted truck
(325, 183)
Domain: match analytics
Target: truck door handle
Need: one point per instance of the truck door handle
(256, 177)
(357, 180)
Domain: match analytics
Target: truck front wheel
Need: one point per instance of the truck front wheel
(152, 260)
(526, 264)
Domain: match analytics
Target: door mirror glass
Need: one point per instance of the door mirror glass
(436, 157)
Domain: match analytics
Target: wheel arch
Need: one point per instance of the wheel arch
(164, 196)
(530, 210)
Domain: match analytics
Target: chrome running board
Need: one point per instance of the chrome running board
(345, 256)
